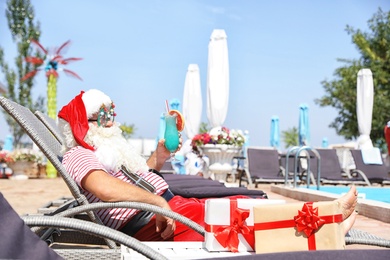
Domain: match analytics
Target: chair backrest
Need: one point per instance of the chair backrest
(329, 164)
(263, 163)
(47, 143)
(51, 124)
(374, 172)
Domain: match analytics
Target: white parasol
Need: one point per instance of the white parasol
(217, 79)
(192, 101)
(364, 106)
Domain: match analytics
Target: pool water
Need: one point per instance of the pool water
(371, 193)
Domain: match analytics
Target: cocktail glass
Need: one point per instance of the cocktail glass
(171, 135)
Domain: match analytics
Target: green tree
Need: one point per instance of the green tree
(20, 16)
(127, 130)
(374, 48)
(290, 137)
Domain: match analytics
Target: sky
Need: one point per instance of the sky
(138, 53)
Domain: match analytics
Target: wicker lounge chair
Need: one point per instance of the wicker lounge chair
(50, 123)
(331, 171)
(376, 173)
(22, 243)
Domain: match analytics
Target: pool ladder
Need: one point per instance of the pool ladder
(298, 150)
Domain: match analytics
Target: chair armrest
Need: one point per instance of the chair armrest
(355, 174)
(93, 229)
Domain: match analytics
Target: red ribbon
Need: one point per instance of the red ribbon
(307, 221)
(227, 235)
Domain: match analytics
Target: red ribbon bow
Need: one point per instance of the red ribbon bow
(227, 236)
(308, 220)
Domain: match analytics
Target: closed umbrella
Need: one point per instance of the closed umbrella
(217, 79)
(364, 105)
(304, 129)
(161, 129)
(192, 101)
(9, 143)
(174, 103)
(275, 132)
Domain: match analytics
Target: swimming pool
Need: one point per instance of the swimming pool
(371, 193)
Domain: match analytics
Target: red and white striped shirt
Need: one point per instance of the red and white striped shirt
(79, 161)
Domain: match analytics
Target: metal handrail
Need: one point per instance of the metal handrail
(307, 149)
(298, 150)
(289, 151)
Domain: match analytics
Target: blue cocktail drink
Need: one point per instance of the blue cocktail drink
(171, 135)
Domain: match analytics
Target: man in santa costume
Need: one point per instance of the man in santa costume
(94, 152)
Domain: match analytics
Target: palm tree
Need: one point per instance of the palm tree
(53, 60)
(290, 137)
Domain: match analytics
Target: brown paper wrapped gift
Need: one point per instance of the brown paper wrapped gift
(298, 227)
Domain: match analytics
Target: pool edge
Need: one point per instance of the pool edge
(369, 208)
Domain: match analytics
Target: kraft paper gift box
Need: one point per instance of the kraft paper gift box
(298, 227)
(229, 223)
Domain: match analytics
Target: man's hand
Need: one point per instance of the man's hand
(164, 225)
(161, 154)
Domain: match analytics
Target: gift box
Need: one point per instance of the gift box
(298, 227)
(229, 223)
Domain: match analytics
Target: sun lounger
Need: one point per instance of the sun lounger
(331, 171)
(263, 166)
(192, 186)
(19, 242)
(50, 123)
(376, 173)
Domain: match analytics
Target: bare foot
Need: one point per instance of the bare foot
(347, 203)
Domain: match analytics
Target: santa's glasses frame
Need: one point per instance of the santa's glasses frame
(104, 115)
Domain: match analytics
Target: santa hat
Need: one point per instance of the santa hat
(80, 109)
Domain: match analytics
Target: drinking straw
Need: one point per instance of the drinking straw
(166, 105)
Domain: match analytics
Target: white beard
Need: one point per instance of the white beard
(113, 150)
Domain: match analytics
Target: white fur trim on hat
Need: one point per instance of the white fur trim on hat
(93, 99)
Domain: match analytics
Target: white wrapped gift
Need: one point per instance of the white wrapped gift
(229, 223)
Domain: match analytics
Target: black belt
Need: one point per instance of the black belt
(142, 218)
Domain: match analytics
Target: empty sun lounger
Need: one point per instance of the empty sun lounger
(376, 173)
(263, 166)
(331, 171)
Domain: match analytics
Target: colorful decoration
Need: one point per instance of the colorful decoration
(53, 60)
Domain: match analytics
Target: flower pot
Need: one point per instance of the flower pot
(220, 159)
(20, 169)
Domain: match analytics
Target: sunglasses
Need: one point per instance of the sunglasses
(104, 115)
